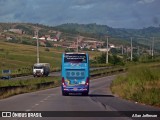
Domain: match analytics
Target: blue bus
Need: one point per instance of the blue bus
(75, 73)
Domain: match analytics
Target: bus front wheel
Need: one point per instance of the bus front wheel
(64, 93)
(85, 94)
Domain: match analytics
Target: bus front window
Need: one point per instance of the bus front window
(75, 58)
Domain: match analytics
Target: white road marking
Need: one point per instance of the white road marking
(28, 110)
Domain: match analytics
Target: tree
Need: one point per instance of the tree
(69, 50)
(113, 59)
(101, 59)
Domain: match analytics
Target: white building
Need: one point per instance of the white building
(103, 49)
(42, 38)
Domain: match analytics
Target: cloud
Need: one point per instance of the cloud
(82, 6)
(114, 13)
(87, 2)
(156, 20)
(145, 1)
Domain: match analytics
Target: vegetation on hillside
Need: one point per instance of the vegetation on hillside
(141, 84)
(20, 58)
(106, 30)
(141, 37)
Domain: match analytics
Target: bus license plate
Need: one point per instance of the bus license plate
(75, 89)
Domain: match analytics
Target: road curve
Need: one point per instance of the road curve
(100, 99)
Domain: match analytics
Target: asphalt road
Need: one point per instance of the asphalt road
(100, 99)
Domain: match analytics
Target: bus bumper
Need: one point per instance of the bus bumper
(83, 90)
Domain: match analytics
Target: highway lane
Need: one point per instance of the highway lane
(100, 99)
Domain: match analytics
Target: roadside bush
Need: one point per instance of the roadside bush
(141, 84)
(47, 49)
(69, 50)
(113, 59)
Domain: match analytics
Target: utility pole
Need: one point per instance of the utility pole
(138, 51)
(122, 50)
(77, 43)
(107, 52)
(36, 34)
(152, 47)
(131, 50)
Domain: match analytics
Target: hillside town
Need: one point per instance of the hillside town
(80, 42)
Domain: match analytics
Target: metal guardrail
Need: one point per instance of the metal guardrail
(108, 72)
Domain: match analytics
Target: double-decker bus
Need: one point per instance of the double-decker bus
(75, 73)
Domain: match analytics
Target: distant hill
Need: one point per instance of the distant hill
(106, 30)
(27, 27)
(71, 30)
(140, 36)
(91, 30)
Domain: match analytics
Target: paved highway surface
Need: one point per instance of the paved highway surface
(100, 99)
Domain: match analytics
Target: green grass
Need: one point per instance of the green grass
(4, 83)
(13, 87)
(20, 58)
(100, 65)
(16, 57)
(141, 84)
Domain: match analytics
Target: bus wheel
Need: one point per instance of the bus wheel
(85, 94)
(64, 93)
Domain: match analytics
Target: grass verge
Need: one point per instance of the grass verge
(9, 88)
(141, 84)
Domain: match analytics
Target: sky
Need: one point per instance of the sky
(114, 13)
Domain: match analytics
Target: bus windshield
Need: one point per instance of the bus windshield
(75, 58)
